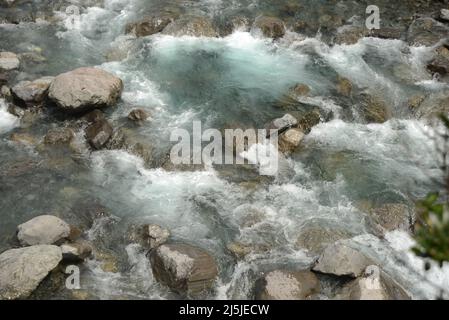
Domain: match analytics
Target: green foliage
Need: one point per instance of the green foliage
(432, 231)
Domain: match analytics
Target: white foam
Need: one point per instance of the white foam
(7, 120)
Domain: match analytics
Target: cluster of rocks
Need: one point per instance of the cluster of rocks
(46, 242)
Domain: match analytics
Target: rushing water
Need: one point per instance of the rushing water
(234, 80)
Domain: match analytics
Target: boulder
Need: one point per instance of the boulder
(9, 61)
(309, 120)
(156, 235)
(440, 64)
(149, 25)
(287, 285)
(76, 251)
(99, 133)
(301, 90)
(444, 15)
(184, 268)
(138, 115)
(270, 27)
(133, 143)
(85, 89)
(315, 239)
(349, 35)
(31, 92)
(21, 270)
(426, 32)
(373, 109)
(194, 26)
(284, 123)
(344, 86)
(59, 136)
(94, 116)
(24, 138)
(43, 229)
(374, 285)
(290, 140)
(341, 260)
(393, 216)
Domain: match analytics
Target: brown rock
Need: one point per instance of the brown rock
(59, 136)
(98, 134)
(271, 27)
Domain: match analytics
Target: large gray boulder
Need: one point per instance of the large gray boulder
(21, 270)
(8, 61)
(287, 285)
(195, 26)
(30, 92)
(43, 229)
(184, 268)
(85, 89)
(341, 260)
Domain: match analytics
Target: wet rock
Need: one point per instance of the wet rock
(5, 92)
(290, 140)
(99, 133)
(316, 239)
(287, 285)
(195, 26)
(76, 251)
(309, 120)
(9, 61)
(94, 116)
(133, 143)
(238, 250)
(330, 21)
(440, 64)
(156, 235)
(24, 138)
(59, 136)
(344, 86)
(349, 35)
(301, 90)
(374, 285)
(393, 216)
(426, 32)
(270, 27)
(373, 109)
(386, 33)
(31, 57)
(341, 260)
(43, 229)
(85, 89)
(138, 115)
(444, 15)
(16, 111)
(3, 79)
(21, 270)
(415, 101)
(31, 92)
(284, 123)
(184, 268)
(150, 25)
(433, 105)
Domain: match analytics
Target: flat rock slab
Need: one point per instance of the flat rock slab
(21, 270)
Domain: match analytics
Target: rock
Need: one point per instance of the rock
(149, 25)
(287, 285)
(85, 89)
(76, 251)
(344, 87)
(386, 33)
(270, 27)
(316, 239)
(301, 90)
(373, 109)
(94, 116)
(43, 229)
(8, 61)
(184, 268)
(309, 120)
(440, 64)
(5, 92)
(415, 101)
(138, 115)
(374, 285)
(133, 143)
(194, 26)
(433, 105)
(31, 92)
(284, 123)
(426, 32)
(16, 111)
(341, 260)
(32, 57)
(290, 140)
(349, 35)
(21, 270)
(393, 216)
(238, 250)
(23, 138)
(156, 235)
(59, 136)
(3, 79)
(444, 15)
(99, 133)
